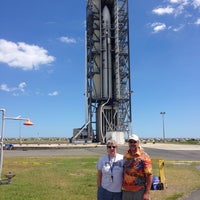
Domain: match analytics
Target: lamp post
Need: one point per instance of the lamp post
(1, 141)
(163, 123)
(27, 123)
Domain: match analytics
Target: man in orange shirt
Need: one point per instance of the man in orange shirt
(137, 178)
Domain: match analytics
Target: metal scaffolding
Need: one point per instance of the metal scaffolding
(111, 112)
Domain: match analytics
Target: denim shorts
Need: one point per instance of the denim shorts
(103, 194)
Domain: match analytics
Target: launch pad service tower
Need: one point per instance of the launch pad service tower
(108, 87)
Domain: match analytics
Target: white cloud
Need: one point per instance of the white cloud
(185, 2)
(157, 27)
(55, 93)
(162, 11)
(22, 55)
(178, 28)
(181, 8)
(196, 3)
(22, 86)
(182, 11)
(4, 87)
(20, 89)
(67, 40)
(174, 1)
(173, 7)
(197, 22)
(15, 90)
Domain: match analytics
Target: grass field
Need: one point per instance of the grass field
(74, 178)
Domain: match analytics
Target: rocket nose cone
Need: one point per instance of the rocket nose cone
(106, 14)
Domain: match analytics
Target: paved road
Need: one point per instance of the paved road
(165, 151)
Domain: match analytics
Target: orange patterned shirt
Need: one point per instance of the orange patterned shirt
(136, 167)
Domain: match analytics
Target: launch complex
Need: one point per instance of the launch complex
(107, 72)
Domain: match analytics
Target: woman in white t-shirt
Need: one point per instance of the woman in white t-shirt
(110, 173)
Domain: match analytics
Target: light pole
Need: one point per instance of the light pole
(27, 123)
(163, 122)
(1, 141)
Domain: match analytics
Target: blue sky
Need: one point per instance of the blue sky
(42, 66)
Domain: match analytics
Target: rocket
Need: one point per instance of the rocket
(106, 54)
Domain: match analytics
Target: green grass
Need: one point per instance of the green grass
(181, 179)
(74, 178)
(50, 178)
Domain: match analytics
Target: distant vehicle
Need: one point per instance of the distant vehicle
(9, 146)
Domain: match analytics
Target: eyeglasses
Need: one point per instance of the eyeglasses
(109, 147)
(132, 141)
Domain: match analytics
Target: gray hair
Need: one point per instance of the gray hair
(111, 142)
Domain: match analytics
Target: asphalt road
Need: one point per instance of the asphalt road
(167, 152)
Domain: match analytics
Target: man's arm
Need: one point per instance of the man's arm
(148, 187)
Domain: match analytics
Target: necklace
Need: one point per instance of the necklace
(111, 163)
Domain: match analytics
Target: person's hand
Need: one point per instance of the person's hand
(146, 196)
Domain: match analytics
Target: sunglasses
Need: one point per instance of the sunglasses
(109, 147)
(132, 141)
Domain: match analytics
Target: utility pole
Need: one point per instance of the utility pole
(163, 123)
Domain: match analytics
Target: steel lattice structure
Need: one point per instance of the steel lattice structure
(108, 84)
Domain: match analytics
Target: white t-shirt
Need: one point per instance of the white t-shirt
(111, 167)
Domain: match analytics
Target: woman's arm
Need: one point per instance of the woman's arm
(99, 177)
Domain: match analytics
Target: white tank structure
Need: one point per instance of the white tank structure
(107, 72)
